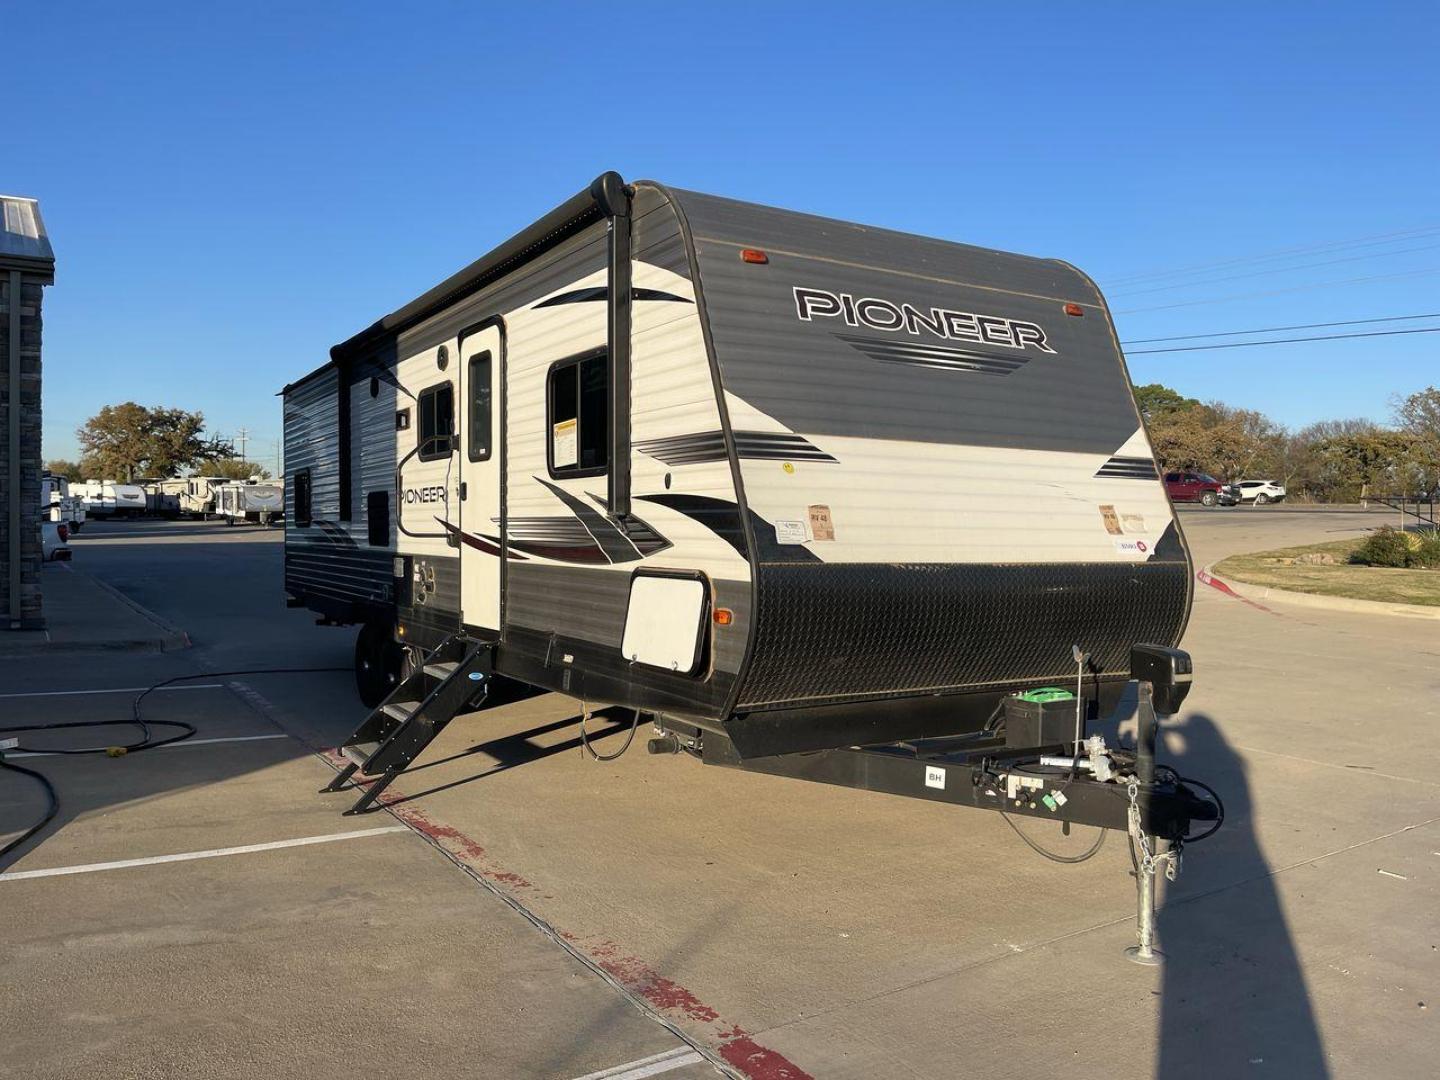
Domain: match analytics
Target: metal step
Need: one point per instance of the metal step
(400, 710)
(360, 752)
(440, 669)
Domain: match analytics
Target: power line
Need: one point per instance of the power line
(1275, 270)
(1278, 329)
(1279, 292)
(1285, 341)
(1373, 240)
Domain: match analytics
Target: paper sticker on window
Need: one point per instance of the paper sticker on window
(790, 532)
(563, 443)
(822, 526)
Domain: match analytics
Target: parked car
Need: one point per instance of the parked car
(1200, 487)
(1261, 492)
(53, 537)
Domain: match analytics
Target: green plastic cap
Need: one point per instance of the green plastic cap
(1046, 693)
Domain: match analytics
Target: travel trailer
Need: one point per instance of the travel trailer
(162, 497)
(258, 501)
(817, 499)
(197, 498)
(105, 498)
(58, 504)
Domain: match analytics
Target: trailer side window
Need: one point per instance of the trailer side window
(436, 406)
(579, 415)
(479, 376)
(301, 484)
(377, 518)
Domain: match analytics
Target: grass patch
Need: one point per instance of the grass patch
(1275, 569)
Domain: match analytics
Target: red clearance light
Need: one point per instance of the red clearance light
(753, 255)
(64, 531)
(1074, 309)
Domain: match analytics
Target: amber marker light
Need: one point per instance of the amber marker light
(1074, 309)
(753, 255)
(724, 616)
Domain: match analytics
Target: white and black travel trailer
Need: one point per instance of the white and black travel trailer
(106, 498)
(819, 499)
(197, 498)
(258, 501)
(162, 497)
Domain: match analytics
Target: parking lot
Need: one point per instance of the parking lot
(521, 911)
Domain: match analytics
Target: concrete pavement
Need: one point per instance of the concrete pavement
(793, 929)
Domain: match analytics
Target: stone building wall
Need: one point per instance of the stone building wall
(31, 292)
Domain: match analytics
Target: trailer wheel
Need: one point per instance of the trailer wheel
(380, 662)
(1208, 499)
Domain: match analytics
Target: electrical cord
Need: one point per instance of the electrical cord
(1052, 856)
(585, 738)
(148, 739)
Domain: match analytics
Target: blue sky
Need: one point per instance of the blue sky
(231, 189)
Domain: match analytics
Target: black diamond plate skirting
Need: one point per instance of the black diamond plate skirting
(832, 632)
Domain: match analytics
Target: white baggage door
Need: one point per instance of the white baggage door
(481, 546)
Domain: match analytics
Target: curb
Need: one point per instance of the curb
(168, 637)
(172, 638)
(1257, 593)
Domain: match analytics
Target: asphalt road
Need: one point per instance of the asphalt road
(795, 929)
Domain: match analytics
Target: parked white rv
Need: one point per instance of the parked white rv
(107, 498)
(197, 499)
(259, 501)
(58, 504)
(162, 497)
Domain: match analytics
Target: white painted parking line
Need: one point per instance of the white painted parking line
(167, 746)
(117, 690)
(123, 864)
(653, 1065)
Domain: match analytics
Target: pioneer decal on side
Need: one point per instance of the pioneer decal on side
(431, 494)
(876, 314)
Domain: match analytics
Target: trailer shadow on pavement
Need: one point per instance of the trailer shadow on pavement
(1233, 996)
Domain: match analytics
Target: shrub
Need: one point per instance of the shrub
(1383, 547)
(1428, 553)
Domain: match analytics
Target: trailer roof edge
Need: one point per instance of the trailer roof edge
(580, 210)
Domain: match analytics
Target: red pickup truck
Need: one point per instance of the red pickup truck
(1199, 487)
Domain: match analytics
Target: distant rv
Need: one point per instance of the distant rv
(59, 504)
(162, 497)
(261, 502)
(106, 498)
(197, 499)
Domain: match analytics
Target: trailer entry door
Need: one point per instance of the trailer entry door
(481, 558)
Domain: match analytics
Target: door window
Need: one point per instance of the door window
(480, 418)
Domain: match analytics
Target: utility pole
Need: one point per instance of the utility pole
(241, 435)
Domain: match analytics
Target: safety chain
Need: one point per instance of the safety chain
(1149, 860)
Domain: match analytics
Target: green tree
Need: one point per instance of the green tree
(123, 441)
(69, 470)
(1156, 400)
(1419, 416)
(1366, 463)
(235, 469)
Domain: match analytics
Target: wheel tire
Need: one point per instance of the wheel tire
(1208, 499)
(1261, 499)
(379, 662)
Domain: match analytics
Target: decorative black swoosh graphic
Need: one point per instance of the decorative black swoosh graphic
(703, 446)
(1129, 468)
(938, 357)
(723, 519)
(601, 293)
